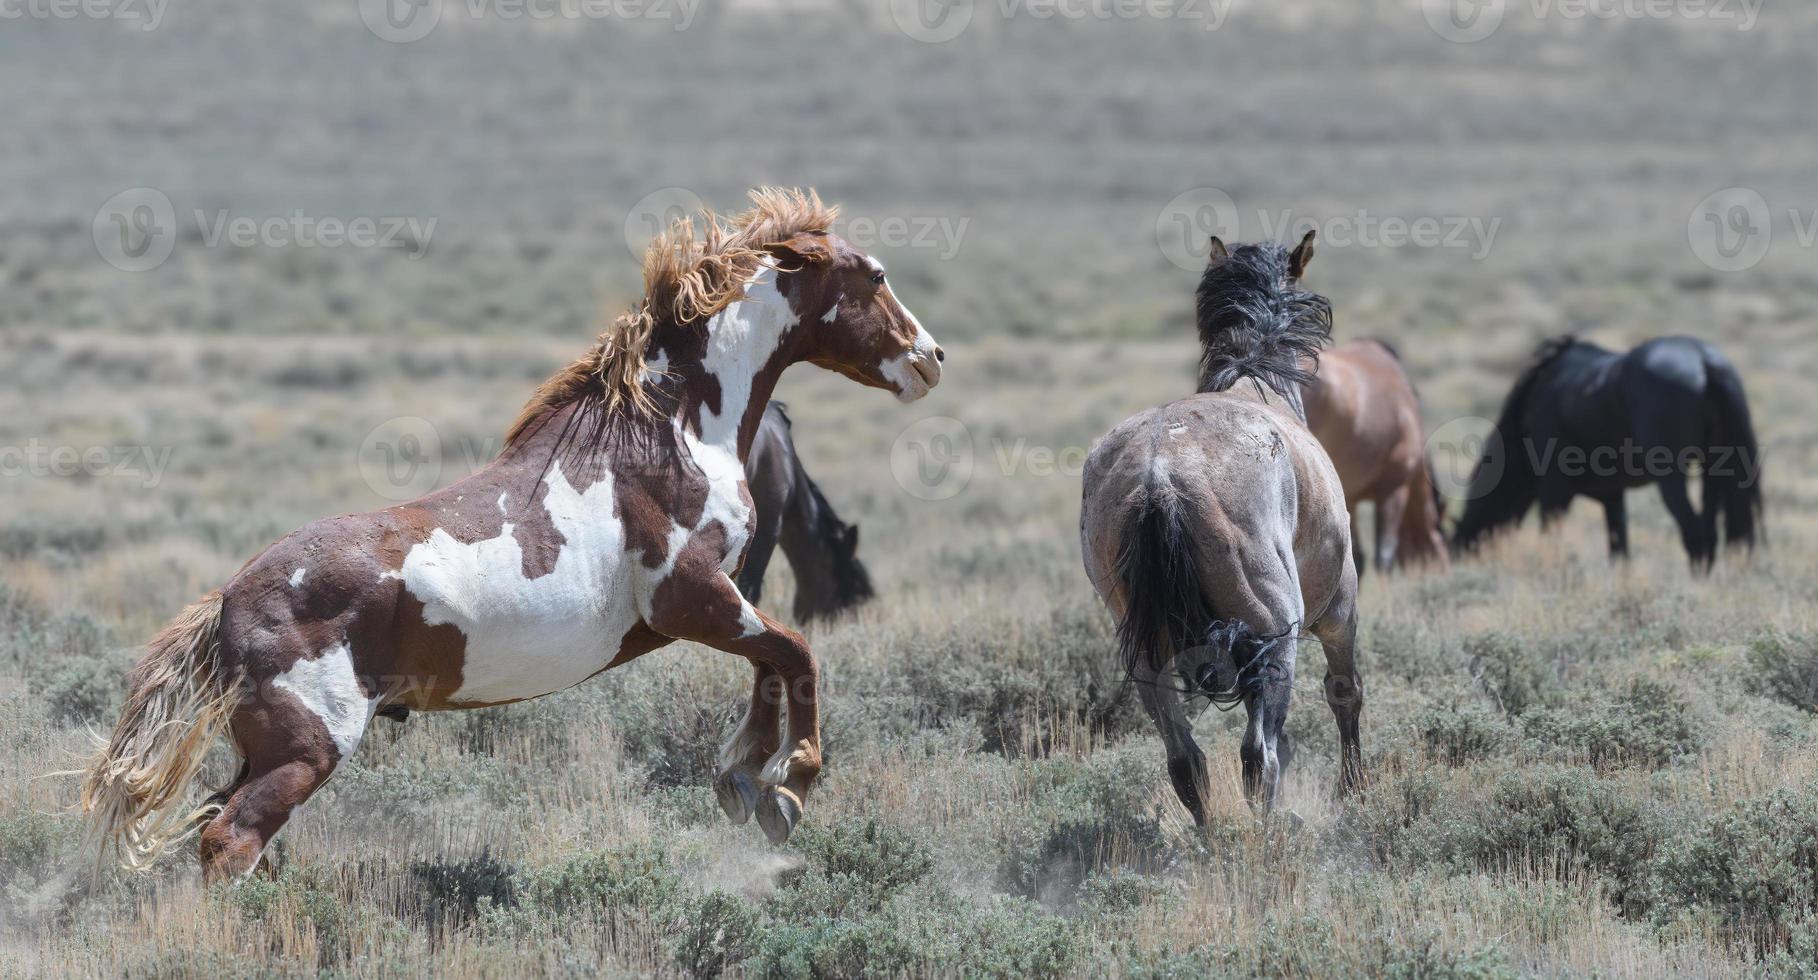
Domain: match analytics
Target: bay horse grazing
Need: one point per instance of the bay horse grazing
(1585, 421)
(1364, 410)
(791, 511)
(609, 525)
(1215, 529)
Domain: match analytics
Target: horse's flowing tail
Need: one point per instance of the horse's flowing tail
(1732, 478)
(1422, 537)
(136, 785)
(1165, 607)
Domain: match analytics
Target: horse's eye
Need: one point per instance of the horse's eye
(877, 278)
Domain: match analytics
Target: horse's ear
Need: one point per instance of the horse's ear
(804, 249)
(1216, 251)
(1302, 254)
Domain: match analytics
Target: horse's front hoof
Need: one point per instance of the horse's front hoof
(738, 795)
(778, 813)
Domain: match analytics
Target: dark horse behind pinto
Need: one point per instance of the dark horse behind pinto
(791, 511)
(1584, 421)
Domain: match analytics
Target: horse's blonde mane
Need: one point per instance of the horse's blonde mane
(688, 277)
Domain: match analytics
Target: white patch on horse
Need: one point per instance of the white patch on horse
(328, 688)
(528, 637)
(749, 619)
(833, 312)
(656, 366)
(502, 497)
(915, 371)
(740, 340)
(296, 577)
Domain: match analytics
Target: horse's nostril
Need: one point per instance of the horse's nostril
(939, 355)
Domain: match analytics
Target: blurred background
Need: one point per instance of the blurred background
(253, 255)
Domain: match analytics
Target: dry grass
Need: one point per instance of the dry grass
(1577, 769)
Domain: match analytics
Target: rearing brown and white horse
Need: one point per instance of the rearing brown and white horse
(609, 526)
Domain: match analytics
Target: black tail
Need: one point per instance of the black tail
(1732, 479)
(1165, 607)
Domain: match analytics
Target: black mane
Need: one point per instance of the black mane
(1500, 497)
(1255, 322)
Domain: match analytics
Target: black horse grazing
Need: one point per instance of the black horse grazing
(791, 510)
(1586, 421)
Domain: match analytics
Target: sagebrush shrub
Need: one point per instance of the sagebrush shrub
(1754, 866)
(1460, 733)
(1648, 724)
(1785, 666)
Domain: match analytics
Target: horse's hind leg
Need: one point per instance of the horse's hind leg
(1390, 509)
(1616, 522)
(291, 750)
(1358, 558)
(741, 762)
(1691, 527)
(1337, 633)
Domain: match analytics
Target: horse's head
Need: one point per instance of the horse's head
(833, 579)
(851, 321)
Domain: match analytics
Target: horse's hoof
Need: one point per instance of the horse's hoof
(737, 793)
(778, 813)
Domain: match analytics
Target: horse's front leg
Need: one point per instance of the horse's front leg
(742, 758)
(709, 609)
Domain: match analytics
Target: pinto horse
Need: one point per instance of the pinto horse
(792, 511)
(609, 525)
(1363, 408)
(1586, 421)
(1215, 529)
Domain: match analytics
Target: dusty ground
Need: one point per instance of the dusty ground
(1577, 768)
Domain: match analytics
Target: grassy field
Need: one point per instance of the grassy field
(1576, 768)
